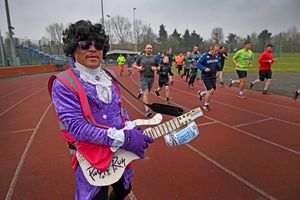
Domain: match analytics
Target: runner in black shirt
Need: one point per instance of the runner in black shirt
(194, 69)
(222, 55)
(164, 71)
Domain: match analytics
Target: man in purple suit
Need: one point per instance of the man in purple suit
(87, 44)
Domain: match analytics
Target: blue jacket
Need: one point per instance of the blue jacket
(211, 62)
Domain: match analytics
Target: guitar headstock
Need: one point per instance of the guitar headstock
(190, 116)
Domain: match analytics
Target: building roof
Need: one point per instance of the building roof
(119, 51)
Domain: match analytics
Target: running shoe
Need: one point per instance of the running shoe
(296, 95)
(157, 93)
(148, 113)
(230, 83)
(168, 101)
(251, 85)
(242, 96)
(265, 92)
(206, 108)
(139, 94)
(222, 84)
(200, 96)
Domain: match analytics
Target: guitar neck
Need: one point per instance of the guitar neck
(173, 124)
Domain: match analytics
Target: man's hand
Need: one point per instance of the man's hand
(250, 65)
(275, 59)
(237, 65)
(153, 68)
(207, 70)
(142, 68)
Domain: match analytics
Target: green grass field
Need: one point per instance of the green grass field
(289, 62)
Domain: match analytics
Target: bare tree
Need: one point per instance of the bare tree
(109, 32)
(140, 30)
(143, 34)
(121, 27)
(55, 31)
(217, 35)
(147, 35)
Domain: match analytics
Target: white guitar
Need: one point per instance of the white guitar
(122, 158)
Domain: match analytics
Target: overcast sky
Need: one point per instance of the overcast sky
(30, 17)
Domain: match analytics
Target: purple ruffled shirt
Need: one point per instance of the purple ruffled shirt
(69, 111)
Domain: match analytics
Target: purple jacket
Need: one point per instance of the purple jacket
(69, 111)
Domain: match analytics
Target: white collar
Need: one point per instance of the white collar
(99, 79)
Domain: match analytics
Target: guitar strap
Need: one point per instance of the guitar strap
(156, 107)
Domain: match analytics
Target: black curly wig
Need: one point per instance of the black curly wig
(84, 30)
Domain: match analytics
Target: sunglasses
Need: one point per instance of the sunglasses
(85, 45)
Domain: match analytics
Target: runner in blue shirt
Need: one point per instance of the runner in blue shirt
(208, 63)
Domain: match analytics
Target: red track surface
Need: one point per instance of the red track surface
(247, 149)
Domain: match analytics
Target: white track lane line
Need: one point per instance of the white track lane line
(24, 156)
(207, 123)
(239, 130)
(17, 131)
(21, 101)
(252, 122)
(8, 94)
(231, 173)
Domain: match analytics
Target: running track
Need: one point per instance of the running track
(247, 149)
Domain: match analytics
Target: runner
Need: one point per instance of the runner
(179, 61)
(194, 69)
(170, 55)
(164, 71)
(129, 61)
(121, 60)
(147, 65)
(297, 93)
(242, 59)
(208, 64)
(87, 44)
(223, 55)
(187, 66)
(158, 57)
(265, 61)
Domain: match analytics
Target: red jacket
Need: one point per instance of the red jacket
(265, 60)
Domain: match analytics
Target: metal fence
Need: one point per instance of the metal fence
(32, 52)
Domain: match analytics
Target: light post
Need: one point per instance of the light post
(102, 13)
(16, 60)
(134, 31)
(2, 51)
(108, 28)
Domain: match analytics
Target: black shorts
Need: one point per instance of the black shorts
(163, 83)
(220, 68)
(241, 74)
(209, 83)
(265, 74)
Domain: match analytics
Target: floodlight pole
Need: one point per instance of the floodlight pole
(16, 60)
(102, 13)
(2, 51)
(134, 31)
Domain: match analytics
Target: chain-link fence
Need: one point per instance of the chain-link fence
(32, 52)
